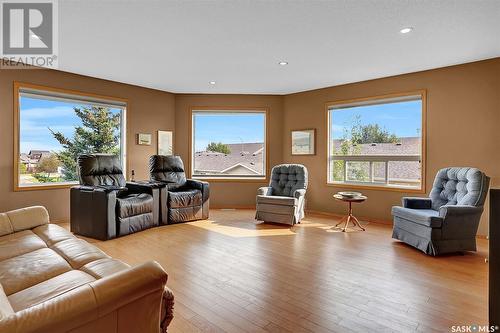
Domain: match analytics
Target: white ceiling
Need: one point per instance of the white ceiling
(179, 46)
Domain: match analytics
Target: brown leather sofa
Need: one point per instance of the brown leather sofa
(51, 281)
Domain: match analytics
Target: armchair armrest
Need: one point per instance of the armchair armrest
(460, 222)
(92, 212)
(137, 290)
(103, 188)
(204, 187)
(299, 193)
(265, 190)
(458, 210)
(416, 203)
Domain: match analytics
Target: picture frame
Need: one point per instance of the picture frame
(144, 139)
(165, 143)
(303, 141)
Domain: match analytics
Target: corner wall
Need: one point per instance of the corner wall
(231, 194)
(463, 129)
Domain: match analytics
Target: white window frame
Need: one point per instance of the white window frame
(377, 100)
(228, 111)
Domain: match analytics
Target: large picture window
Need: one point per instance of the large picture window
(53, 127)
(377, 142)
(228, 144)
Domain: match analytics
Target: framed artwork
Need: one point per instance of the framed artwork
(165, 143)
(304, 142)
(144, 139)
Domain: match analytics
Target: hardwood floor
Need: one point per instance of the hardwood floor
(234, 275)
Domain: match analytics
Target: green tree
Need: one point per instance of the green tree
(98, 134)
(218, 148)
(48, 164)
(373, 133)
(23, 169)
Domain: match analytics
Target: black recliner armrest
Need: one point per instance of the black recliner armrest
(204, 187)
(95, 204)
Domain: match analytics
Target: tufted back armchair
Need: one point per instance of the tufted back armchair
(459, 186)
(446, 221)
(284, 199)
(287, 178)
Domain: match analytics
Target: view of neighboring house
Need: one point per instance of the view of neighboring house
(31, 159)
(398, 171)
(244, 159)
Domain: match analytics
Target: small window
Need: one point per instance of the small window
(229, 144)
(54, 127)
(377, 142)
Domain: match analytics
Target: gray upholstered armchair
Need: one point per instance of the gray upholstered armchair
(283, 200)
(447, 221)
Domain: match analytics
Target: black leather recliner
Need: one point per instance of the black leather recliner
(105, 206)
(181, 199)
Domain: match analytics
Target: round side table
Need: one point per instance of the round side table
(349, 217)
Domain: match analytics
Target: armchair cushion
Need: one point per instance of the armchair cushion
(101, 170)
(286, 178)
(276, 200)
(169, 169)
(184, 198)
(426, 217)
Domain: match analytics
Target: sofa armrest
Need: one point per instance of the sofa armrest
(265, 190)
(299, 193)
(460, 222)
(416, 203)
(134, 294)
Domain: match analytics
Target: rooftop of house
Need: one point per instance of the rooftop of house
(248, 156)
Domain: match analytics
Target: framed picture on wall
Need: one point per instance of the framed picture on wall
(165, 143)
(304, 142)
(144, 139)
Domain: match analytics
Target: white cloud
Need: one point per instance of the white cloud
(44, 113)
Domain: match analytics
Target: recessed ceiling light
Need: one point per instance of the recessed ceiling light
(283, 63)
(406, 30)
(212, 82)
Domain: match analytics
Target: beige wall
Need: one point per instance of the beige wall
(463, 121)
(463, 128)
(231, 194)
(148, 111)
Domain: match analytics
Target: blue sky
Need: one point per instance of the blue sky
(38, 115)
(402, 118)
(228, 128)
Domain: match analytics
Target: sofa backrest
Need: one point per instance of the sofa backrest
(459, 186)
(286, 178)
(100, 169)
(167, 169)
(22, 219)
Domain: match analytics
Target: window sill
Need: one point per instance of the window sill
(55, 186)
(376, 187)
(232, 179)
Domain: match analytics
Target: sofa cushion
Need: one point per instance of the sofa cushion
(134, 204)
(426, 217)
(184, 198)
(52, 233)
(78, 252)
(5, 307)
(104, 267)
(19, 243)
(276, 200)
(26, 270)
(48, 289)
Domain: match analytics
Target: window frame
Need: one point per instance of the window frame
(18, 88)
(371, 100)
(229, 110)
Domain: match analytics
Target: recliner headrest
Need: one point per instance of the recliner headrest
(100, 169)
